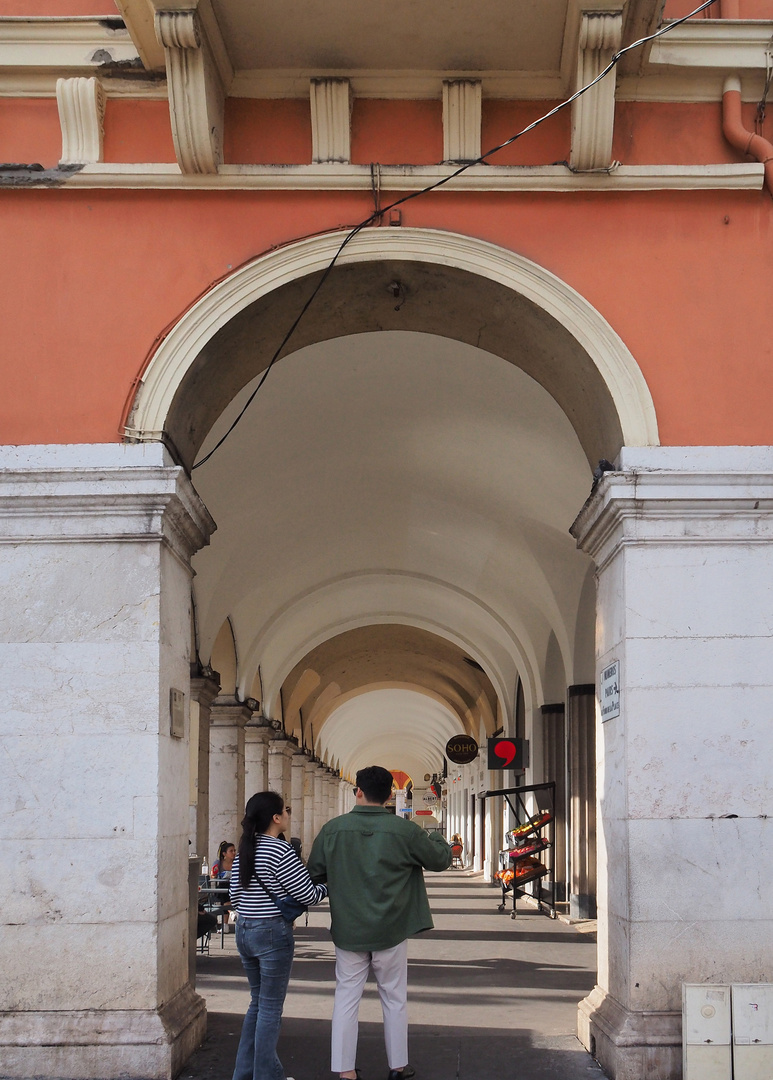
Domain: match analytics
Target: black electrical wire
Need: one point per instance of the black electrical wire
(380, 211)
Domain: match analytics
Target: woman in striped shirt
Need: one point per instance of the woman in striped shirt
(263, 937)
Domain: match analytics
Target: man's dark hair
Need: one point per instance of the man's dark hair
(375, 783)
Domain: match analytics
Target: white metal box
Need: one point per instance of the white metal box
(752, 1031)
(707, 1051)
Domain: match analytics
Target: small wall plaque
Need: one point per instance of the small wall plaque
(176, 713)
(609, 691)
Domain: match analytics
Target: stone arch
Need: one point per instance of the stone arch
(453, 285)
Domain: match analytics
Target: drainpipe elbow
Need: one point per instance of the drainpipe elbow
(747, 142)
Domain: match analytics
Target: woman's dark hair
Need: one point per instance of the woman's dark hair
(224, 846)
(257, 817)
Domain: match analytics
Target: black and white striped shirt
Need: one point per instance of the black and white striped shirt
(281, 871)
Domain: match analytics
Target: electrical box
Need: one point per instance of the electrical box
(707, 1051)
(752, 1031)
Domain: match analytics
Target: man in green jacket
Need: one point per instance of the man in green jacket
(372, 862)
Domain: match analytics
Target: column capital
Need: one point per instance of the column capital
(101, 493)
(282, 744)
(676, 496)
(204, 689)
(228, 711)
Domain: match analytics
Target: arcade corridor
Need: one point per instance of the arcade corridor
(489, 998)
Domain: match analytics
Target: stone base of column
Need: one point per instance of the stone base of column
(582, 906)
(630, 1045)
(126, 1044)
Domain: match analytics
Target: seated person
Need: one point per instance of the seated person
(221, 868)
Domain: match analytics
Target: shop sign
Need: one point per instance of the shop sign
(430, 797)
(462, 749)
(511, 754)
(609, 691)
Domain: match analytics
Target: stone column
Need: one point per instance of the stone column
(228, 718)
(581, 726)
(310, 768)
(320, 798)
(332, 807)
(554, 768)
(682, 539)
(257, 733)
(280, 750)
(297, 763)
(204, 690)
(95, 794)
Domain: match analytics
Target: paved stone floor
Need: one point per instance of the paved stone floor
(490, 998)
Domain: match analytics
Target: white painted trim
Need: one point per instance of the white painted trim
(461, 120)
(179, 350)
(686, 85)
(397, 84)
(404, 178)
(196, 93)
(81, 104)
(714, 43)
(331, 110)
(61, 43)
(138, 16)
(593, 114)
(42, 84)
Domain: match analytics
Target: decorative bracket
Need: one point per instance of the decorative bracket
(196, 91)
(81, 103)
(593, 114)
(461, 120)
(331, 109)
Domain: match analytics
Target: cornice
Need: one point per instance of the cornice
(35, 52)
(674, 507)
(714, 43)
(397, 178)
(64, 43)
(138, 503)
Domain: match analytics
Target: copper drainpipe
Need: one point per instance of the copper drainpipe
(737, 135)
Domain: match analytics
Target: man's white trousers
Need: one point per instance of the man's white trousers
(390, 967)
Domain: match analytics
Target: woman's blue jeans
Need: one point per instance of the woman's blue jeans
(266, 949)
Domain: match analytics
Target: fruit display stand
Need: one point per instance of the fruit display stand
(520, 862)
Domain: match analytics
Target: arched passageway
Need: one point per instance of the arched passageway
(393, 563)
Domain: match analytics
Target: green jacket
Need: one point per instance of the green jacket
(372, 862)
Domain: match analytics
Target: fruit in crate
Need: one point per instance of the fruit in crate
(505, 876)
(528, 847)
(536, 822)
(527, 868)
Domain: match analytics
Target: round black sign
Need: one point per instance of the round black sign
(462, 749)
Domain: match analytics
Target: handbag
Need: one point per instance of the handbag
(289, 909)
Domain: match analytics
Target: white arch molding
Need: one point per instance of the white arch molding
(178, 351)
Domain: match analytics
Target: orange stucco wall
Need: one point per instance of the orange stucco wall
(91, 279)
(32, 8)
(30, 132)
(747, 9)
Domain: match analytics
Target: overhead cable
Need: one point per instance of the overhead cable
(380, 211)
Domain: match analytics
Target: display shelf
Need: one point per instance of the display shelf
(532, 834)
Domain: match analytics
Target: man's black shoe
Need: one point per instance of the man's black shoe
(402, 1074)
